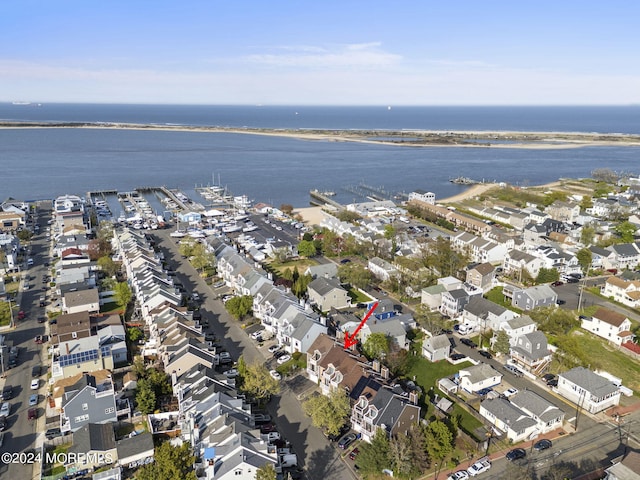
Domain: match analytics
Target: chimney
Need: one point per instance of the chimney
(413, 397)
(384, 372)
(376, 366)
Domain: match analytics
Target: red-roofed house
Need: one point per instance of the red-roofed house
(622, 291)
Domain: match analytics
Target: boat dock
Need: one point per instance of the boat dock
(319, 199)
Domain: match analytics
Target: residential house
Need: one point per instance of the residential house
(324, 270)
(533, 297)
(87, 401)
(436, 348)
(508, 418)
(318, 350)
(588, 390)
(381, 269)
(518, 262)
(625, 292)
(80, 355)
(612, 326)
(70, 326)
(531, 352)
(481, 276)
(327, 293)
(454, 301)
(384, 410)
(136, 450)
(81, 301)
(432, 296)
(601, 258)
(547, 416)
(479, 376)
(480, 249)
(517, 327)
(94, 446)
(423, 196)
(485, 314)
(392, 327)
(11, 221)
(625, 255)
(563, 211)
(625, 468)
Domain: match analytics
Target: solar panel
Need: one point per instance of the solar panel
(80, 357)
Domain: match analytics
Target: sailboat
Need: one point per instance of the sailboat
(178, 233)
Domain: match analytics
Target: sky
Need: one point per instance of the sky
(272, 52)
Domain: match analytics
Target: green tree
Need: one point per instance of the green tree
(439, 441)
(299, 287)
(308, 237)
(187, 246)
(258, 383)
(108, 266)
(123, 294)
(170, 463)
(587, 234)
(502, 345)
(625, 231)
(431, 320)
(552, 197)
(134, 334)
(585, 257)
(586, 202)
(401, 455)
(355, 275)
(239, 307)
(201, 258)
(266, 472)
(145, 396)
(24, 235)
(377, 346)
(306, 248)
(328, 413)
(374, 456)
(445, 260)
(547, 275)
(554, 321)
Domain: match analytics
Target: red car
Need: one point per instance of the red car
(38, 339)
(21, 315)
(354, 453)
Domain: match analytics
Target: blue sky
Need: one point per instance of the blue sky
(321, 52)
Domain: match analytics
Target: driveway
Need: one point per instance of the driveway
(319, 457)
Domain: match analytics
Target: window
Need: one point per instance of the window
(74, 334)
(81, 418)
(85, 406)
(109, 410)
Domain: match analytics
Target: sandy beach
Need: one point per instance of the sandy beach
(423, 138)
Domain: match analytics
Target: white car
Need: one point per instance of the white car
(273, 348)
(233, 373)
(284, 359)
(459, 475)
(511, 392)
(35, 384)
(478, 468)
(5, 410)
(255, 335)
(275, 374)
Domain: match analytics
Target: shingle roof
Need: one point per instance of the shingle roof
(480, 306)
(590, 381)
(509, 414)
(323, 286)
(129, 447)
(531, 402)
(94, 437)
(480, 372)
(608, 316)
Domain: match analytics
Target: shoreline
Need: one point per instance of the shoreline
(419, 138)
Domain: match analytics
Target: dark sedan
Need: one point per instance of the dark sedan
(542, 445)
(468, 342)
(516, 454)
(485, 354)
(347, 440)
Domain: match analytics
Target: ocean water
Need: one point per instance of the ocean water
(44, 163)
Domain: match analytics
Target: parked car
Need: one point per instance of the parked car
(478, 468)
(33, 400)
(354, 453)
(32, 413)
(547, 377)
(52, 433)
(468, 342)
(275, 374)
(3, 424)
(515, 370)
(35, 384)
(257, 334)
(458, 356)
(5, 409)
(511, 392)
(267, 428)
(459, 475)
(552, 383)
(485, 353)
(542, 445)
(261, 418)
(233, 373)
(557, 284)
(343, 431)
(39, 340)
(347, 440)
(283, 359)
(279, 353)
(273, 348)
(484, 391)
(516, 454)
(7, 393)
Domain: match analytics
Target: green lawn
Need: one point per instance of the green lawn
(468, 422)
(496, 296)
(358, 297)
(111, 307)
(426, 374)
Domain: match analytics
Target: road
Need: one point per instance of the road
(317, 455)
(21, 433)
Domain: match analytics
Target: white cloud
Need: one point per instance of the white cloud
(360, 55)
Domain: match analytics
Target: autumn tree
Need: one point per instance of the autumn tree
(329, 413)
(555, 321)
(286, 208)
(266, 472)
(444, 259)
(170, 463)
(355, 275)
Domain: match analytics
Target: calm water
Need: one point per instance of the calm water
(43, 163)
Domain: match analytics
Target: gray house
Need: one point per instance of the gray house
(87, 402)
(436, 348)
(327, 293)
(95, 446)
(531, 352)
(532, 297)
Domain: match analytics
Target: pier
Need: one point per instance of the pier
(317, 198)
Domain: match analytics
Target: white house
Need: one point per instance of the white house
(547, 416)
(612, 326)
(588, 390)
(436, 348)
(508, 418)
(478, 377)
(625, 292)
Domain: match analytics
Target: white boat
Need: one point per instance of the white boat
(231, 228)
(196, 234)
(178, 234)
(250, 228)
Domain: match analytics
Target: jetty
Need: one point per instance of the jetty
(319, 199)
(463, 181)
